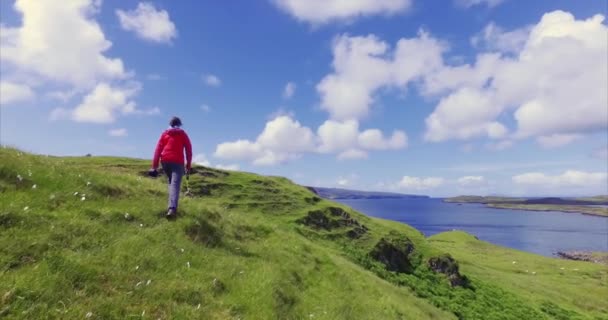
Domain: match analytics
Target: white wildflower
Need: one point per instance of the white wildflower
(52, 197)
(533, 272)
(76, 193)
(143, 313)
(138, 284)
(148, 282)
(83, 198)
(26, 208)
(127, 215)
(89, 314)
(141, 225)
(514, 262)
(19, 177)
(34, 186)
(575, 269)
(29, 173)
(198, 307)
(182, 250)
(88, 183)
(136, 267)
(188, 264)
(562, 268)
(241, 272)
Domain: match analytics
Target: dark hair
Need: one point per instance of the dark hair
(175, 122)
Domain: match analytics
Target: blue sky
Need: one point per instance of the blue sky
(440, 98)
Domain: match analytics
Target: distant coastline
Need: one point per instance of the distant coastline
(589, 205)
(346, 194)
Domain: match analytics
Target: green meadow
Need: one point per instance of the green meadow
(86, 238)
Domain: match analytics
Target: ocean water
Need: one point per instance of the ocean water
(538, 232)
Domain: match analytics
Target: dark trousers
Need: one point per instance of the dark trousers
(174, 173)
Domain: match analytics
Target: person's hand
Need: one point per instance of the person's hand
(153, 173)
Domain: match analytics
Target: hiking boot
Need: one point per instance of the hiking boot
(171, 213)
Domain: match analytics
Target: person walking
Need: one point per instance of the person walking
(170, 153)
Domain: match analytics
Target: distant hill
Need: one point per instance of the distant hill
(336, 193)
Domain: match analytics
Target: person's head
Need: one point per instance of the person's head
(175, 122)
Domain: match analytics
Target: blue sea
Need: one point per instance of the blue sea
(538, 232)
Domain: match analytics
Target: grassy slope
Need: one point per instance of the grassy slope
(236, 252)
(568, 287)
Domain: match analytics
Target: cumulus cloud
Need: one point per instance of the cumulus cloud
(418, 183)
(11, 93)
(318, 12)
(472, 181)
(362, 65)
(570, 178)
(40, 46)
(284, 139)
(148, 23)
(122, 132)
(289, 90)
(201, 159)
(105, 102)
(555, 78)
(212, 80)
(546, 76)
(495, 38)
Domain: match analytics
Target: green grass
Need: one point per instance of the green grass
(242, 248)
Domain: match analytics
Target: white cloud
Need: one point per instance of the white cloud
(289, 90)
(471, 3)
(40, 45)
(228, 167)
(284, 139)
(63, 96)
(201, 159)
(122, 132)
(494, 38)
(212, 80)
(344, 137)
(104, 103)
(319, 12)
(148, 23)
(570, 178)
(11, 93)
(554, 85)
(472, 181)
(59, 114)
(372, 139)
(417, 183)
(557, 140)
(206, 108)
(343, 182)
(362, 65)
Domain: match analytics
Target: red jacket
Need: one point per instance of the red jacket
(170, 148)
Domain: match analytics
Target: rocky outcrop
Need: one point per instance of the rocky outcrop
(334, 218)
(446, 265)
(397, 253)
(595, 257)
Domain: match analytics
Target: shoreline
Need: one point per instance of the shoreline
(599, 257)
(525, 207)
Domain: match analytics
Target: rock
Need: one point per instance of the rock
(396, 253)
(447, 265)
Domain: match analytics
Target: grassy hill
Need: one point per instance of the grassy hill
(85, 238)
